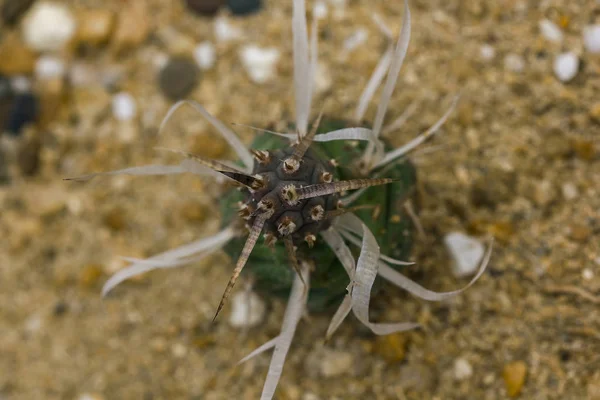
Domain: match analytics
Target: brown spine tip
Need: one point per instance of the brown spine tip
(262, 156)
(286, 227)
(270, 240)
(290, 165)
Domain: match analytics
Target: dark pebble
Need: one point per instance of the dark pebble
(28, 157)
(6, 99)
(178, 78)
(244, 7)
(207, 8)
(13, 10)
(60, 308)
(24, 111)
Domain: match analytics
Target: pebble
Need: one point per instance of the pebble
(89, 276)
(580, 232)
(224, 31)
(205, 55)
(514, 62)
(260, 63)
(550, 31)
(466, 253)
(323, 80)
(357, 38)
(24, 111)
(90, 396)
(569, 191)
(244, 7)
(15, 57)
(335, 363)
(49, 67)
(391, 347)
(204, 7)
(132, 26)
(178, 78)
(566, 66)
(48, 26)
(124, 107)
(462, 369)
(514, 377)
(587, 274)
(194, 211)
(13, 10)
(320, 10)
(487, 52)
(544, 192)
(591, 38)
(247, 310)
(28, 156)
(95, 27)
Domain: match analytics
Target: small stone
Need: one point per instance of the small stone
(260, 62)
(587, 274)
(132, 26)
(466, 253)
(28, 157)
(335, 363)
(90, 275)
(206, 8)
(244, 7)
(205, 55)
(247, 310)
(224, 31)
(462, 369)
(487, 52)
(550, 31)
(514, 377)
(124, 107)
(49, 67)
(391, 347)
(116, 219)
(179, 350)
(48, 26)
(357, 38)
(12, 10)
(24, 111)
(90, 396)
(193, 211)
(591, 38)
(514, 62)
(95, 27)
(323, 80)
(320, 10)
(569, 191)
(208, 145)
(15, 57)
(566, 66)
(584, 149)
(580, 232)
(544, 193)
(178, 78)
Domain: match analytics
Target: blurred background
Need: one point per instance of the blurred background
(84, 86)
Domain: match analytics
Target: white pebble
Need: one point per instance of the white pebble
(21, 84)
(320, 10)
(566, 66)
(49, 67)
(462, 369)
(466, 253)
(259, 62)
(48, 26)
(569, 191)
(591, 38)
(356, 39)
(487, 52)
(514, 62)
(335, 363)
(205, 55)
(587, 274)
(550, 31)
(247, 310)
(224, 31)
(123, 106)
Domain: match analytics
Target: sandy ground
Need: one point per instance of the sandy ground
(519, 159)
